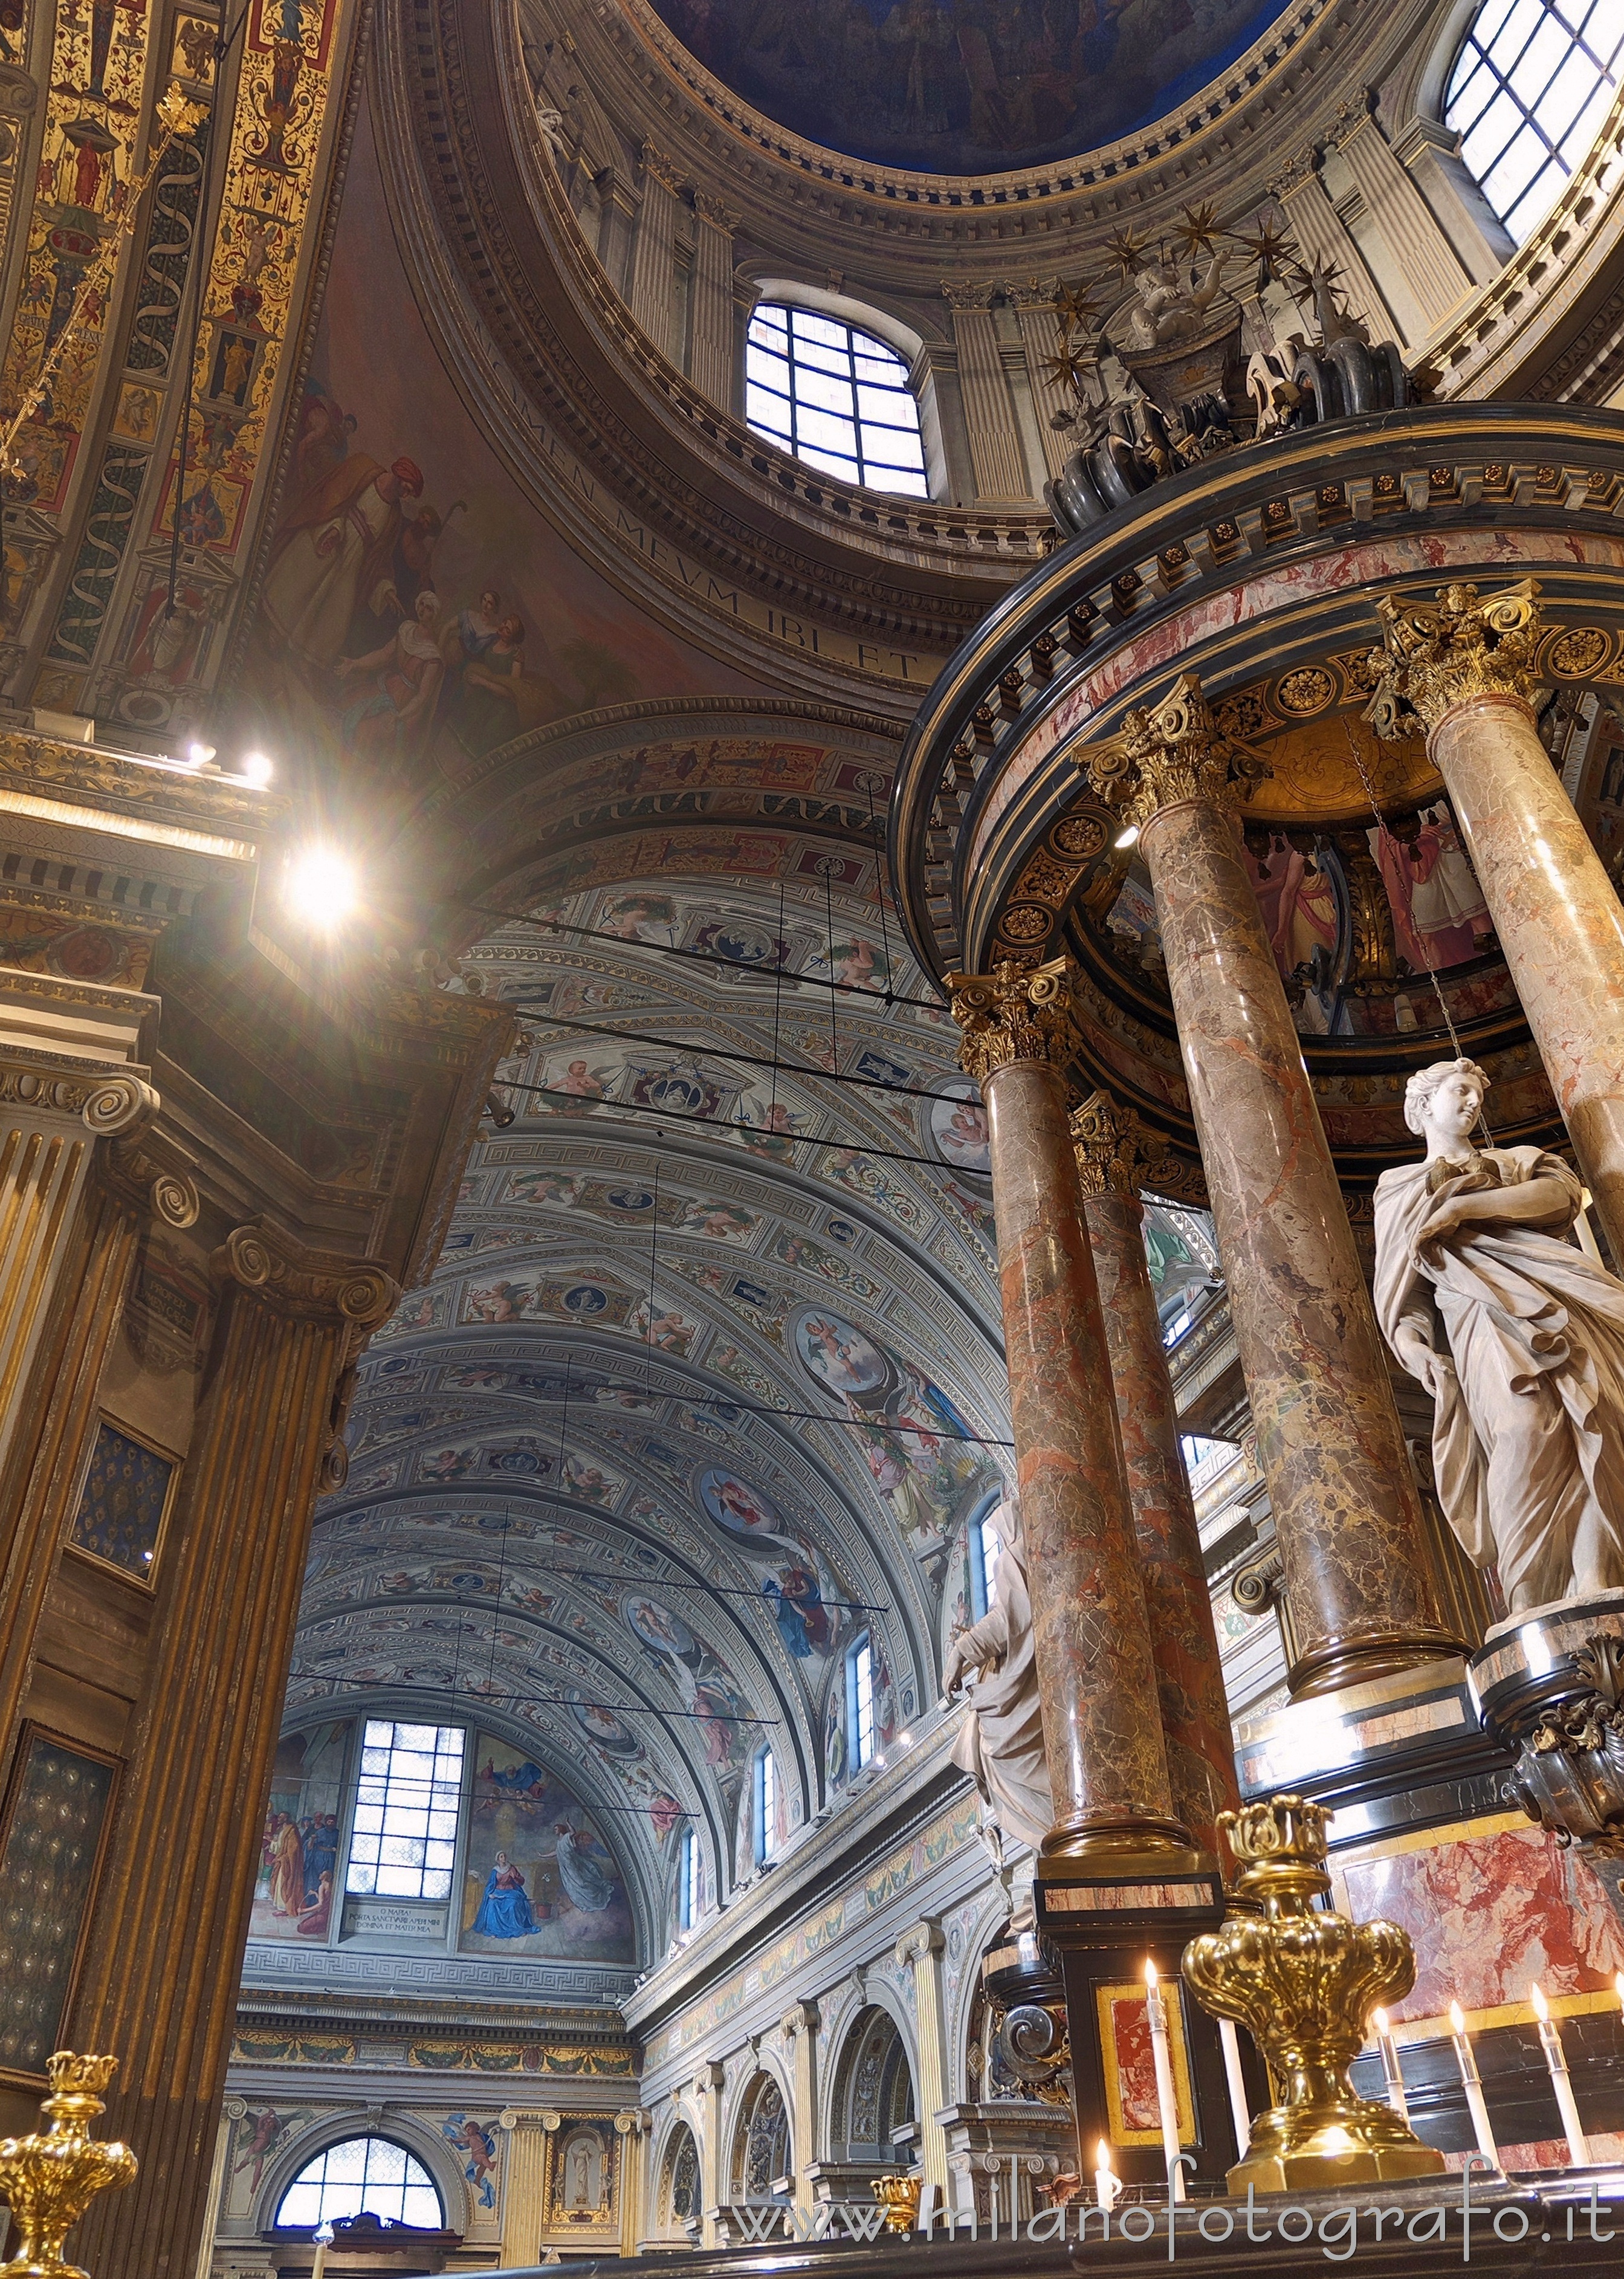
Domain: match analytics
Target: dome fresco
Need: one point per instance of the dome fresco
(966, 86)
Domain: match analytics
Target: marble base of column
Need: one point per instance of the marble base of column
(1559, 918)
(1329, 1442)
(1195, 1713)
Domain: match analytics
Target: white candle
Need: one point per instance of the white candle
(1166, 2101)
(1105, 2186)
(1561, 2080)
(1392, 2072)
(1238, 2112)
(1471, 2081)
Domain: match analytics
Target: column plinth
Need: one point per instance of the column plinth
(1330, 1441)
(1111, 1144)
(1108, 1767)
(1465, 669)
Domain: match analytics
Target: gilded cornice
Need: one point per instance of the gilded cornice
(1433, 659)
(1015, 1013)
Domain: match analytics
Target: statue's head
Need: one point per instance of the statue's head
(1446, 1097)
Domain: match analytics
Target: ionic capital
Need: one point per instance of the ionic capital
(305, 1284)
(921, 1941)
(1173, 751)
(1432, 659)
(1113, 1145)
(802, 2018)
(1015, 1013)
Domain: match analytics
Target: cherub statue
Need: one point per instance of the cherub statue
(1171, 308)
(1519, 1339)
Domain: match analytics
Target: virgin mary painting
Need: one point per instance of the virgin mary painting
(504, 1911)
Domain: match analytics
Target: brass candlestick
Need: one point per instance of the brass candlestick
(899, 2195)
(1306, 1980)
(50, 2180)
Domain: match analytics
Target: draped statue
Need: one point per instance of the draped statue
(1519, 1339)
(1001, 1744)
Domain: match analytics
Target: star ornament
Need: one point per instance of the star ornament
(1201, 229)
(1127, 250)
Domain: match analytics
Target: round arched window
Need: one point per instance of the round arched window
(1530, 88)
(364, 2175)
(834, 396)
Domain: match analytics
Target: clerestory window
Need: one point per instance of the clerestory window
(1530, 88)
(834, 396)
(364, 2175)
(404, 1840)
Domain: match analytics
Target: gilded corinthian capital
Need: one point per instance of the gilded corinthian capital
(1015, 1013)
(1114, 1144)
(1170, 752)
(1432, 659)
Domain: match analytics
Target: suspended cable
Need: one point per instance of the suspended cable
(729, 1124)
(712, 1053)
(535, 1701)
(714, 957)
(879, 878)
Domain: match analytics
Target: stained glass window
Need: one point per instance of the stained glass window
(837, 398)
(1530, 88)
(364, 2175)
(406, 1804)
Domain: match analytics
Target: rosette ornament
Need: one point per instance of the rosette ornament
(50, 2179)
(1305, 1980)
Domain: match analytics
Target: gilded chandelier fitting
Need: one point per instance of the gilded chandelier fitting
(1304, 1981)
(51, 2179)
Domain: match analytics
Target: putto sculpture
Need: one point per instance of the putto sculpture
(1001, 1744)
(1519, 1339)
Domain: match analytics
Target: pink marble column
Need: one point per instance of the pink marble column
(1107, 1766)
(1112, 1145)
(1465, 668)
(1344, 1502)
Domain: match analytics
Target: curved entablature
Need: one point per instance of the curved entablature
(1260, 573)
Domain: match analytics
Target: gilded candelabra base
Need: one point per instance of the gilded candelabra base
(1304, 1980)
(50, 2178)
(900, 2196)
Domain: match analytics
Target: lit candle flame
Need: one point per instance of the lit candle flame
(1542, 2008)
(1102, 2157)
(1457, 2017)
(1379, 2019)
(1151, 1976)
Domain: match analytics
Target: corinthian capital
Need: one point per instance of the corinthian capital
(1174, 751)
(1113, 1145)
(1432, 659)
(1015, 1013)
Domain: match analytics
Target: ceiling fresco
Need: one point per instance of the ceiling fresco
(966, 86)
(706, 1385)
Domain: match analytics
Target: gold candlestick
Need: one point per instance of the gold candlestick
(50, 2180)
(1304, 1980)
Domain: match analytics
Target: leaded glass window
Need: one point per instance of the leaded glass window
(404, 1840)
(834, 396)
(364, 2175)
(1530, 88)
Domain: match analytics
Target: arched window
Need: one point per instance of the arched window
(835, 397)
(364, 2175)
(766, 1805)
(1528, 92)
(407, 1795)
(860, 1704)
(687, 1880)
(983, 1549)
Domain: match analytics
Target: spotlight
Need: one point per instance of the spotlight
(321, 888)
(198, 755)
(1127, 838)
(255, 768)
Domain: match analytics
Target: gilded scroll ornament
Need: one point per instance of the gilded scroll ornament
(1113, 1145)
(1304, 1980)
(50, 2178)
(1169, 752)
(1015, 1013)
(1432, 659)
(307, 1283)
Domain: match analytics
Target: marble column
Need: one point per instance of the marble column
(1107, 1768)
(1465, 667)
(525, 2185)
(1114, 1147)
(170, 1916)
(799, 2027)
(921, 1947)
(1330, 1441)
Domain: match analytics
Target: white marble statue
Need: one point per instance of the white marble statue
(1172, 307)
(1001, 1744)
(1519, 1339)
